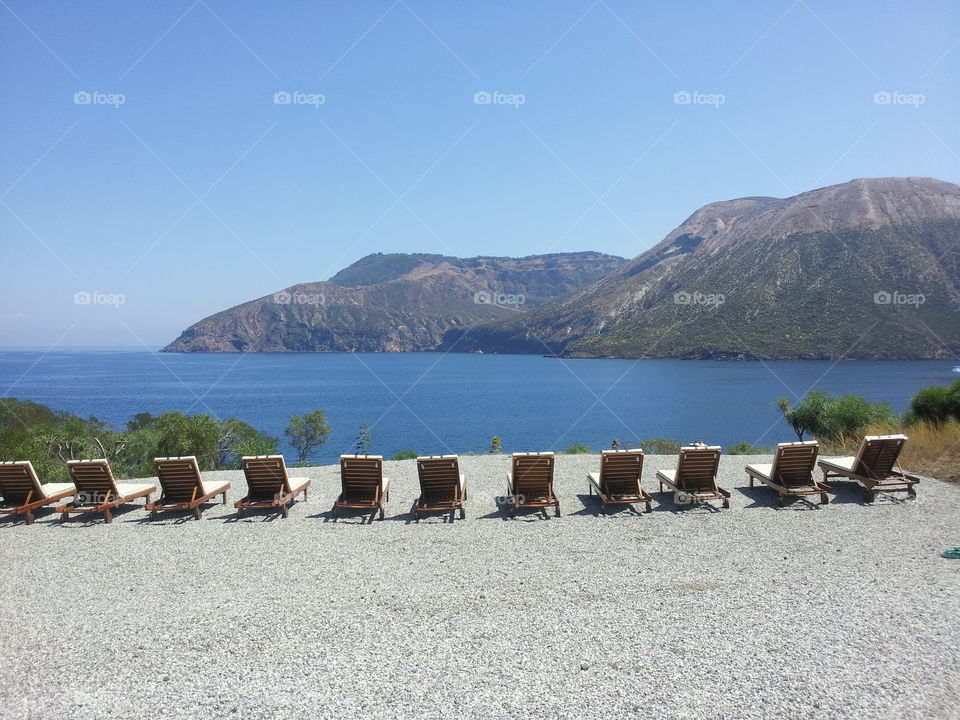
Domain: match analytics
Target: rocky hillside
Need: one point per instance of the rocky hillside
(866, 269)
(394, 302)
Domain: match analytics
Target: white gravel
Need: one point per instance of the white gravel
(845, 610)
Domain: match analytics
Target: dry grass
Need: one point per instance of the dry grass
(932, 450)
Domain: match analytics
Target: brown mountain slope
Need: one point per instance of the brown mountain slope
(865, 269)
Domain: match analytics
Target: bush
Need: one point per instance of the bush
(307, 433)
(659, 446)
(405, 455)
(829, 419)
(936, 404)
(579, 449)
(745, 448)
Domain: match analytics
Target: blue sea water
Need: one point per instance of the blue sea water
(454, 403)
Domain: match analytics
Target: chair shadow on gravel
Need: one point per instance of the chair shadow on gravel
(666, 503)
(523, 514)
(594, 508)
(349, 516)
(848, 491)
(763, 497)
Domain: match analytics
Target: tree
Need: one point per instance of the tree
(832, 419)
(307, 433)
(615, 445)
(937, 404)
(363, 440)
(496, 445)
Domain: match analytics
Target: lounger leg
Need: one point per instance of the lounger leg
(780, 499)
(463, 513)
(224, 497)
(557, 512)
(725, 504)
(64, 516)
(153, 514)
(107, 515)
(284, 510)
(239, 512)
(381, 512)
(196, 512)
(824, 499)
(29, 517)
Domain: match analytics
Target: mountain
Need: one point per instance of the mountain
(866, 269)
(394, 302)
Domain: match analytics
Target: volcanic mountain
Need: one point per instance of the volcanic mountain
(394, 302)
(866, 269)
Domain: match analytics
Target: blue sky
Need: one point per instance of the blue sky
(174, 182)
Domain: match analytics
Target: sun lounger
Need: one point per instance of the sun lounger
(22, 492)
(363, 485)
(791, 472)
(695, 479)
(268, 485)
(530, 484)
(874, 466)
(618, 481)
(442, 487)
(97, 491)
(182, 488)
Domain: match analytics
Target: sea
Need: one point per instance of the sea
(434, 403)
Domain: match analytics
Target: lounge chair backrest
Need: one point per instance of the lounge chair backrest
(697, 467)
(361, 476)
(179, 477)
(620, 471)
(17, 480)
(266, 476)
(93, 479)
(439, 476)
(794, 462)
(532, 473)
(878, 455)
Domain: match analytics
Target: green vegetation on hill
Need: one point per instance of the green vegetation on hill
(380, 268)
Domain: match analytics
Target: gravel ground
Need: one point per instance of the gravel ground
(845, 610)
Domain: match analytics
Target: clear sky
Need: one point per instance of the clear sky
(147, 157)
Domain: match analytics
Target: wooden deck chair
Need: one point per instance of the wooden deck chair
(618, 481)
(442, 487)
(530, 484)
(268, 485)
(182, 488)
(695, 479)
(22, 492)
(875, 467)
(363, 485)
(791, 472)
(97, 491)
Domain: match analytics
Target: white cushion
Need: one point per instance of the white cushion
(761, 469)
(50, 489)
(668, 475)
(128, 489)
(843, 463)
(217, 487)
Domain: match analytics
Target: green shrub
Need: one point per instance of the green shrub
(659, 446)
(579, 449)
(829, 419)
(745, 448)
(936, 404)
(405, 455)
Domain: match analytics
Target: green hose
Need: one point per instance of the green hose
(952, 554)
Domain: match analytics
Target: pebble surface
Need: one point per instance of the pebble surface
(806, 611)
